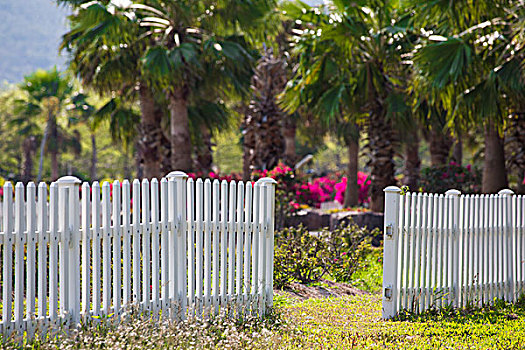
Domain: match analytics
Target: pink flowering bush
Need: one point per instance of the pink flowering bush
(326, 188)
(363, 182)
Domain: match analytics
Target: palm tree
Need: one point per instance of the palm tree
(106, 45)
(196, 46)
(323, 85)
(367, 40)
(168, 47)
(47, 93)
(471, 64)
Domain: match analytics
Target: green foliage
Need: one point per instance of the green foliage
(347, 246)
(305, 257)
(299, 257)
(440, 179)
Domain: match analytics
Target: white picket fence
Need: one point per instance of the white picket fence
(170, 248)
(452, 249)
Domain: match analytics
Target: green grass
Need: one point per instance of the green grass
(355, 322)
(369, 276)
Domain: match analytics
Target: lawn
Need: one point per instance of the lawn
(355, 322)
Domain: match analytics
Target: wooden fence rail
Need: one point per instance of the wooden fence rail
(168, 248)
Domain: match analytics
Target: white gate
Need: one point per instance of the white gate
(165, 248)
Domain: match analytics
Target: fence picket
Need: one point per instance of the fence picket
(199, 246)
(223, 243)
(7, 275)
(43, 240)
(247, 241)
(207, 243)
(255, 246)
(215, 246)
(126, 243)
(164, 248)
(262, 249)
(96, 224)
(231, 243)
(190, 234)
(136, 244)
(239, 258)
(145, 228)
(86, 251)
(106, 249)
(117, 249)
(155, 247)
(30, 257)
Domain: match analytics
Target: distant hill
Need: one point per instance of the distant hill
(30, 32)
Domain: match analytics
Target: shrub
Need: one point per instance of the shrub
(467, 179)
(303, 257)
(346, 246)
(298, 257)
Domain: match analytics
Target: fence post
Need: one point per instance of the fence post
(73, 208)
(455, 244)
(390, 251)
(269, 184)
(508, 231)
(180, 178)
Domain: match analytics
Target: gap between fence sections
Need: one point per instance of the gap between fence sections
(451, 249)
(168, 248)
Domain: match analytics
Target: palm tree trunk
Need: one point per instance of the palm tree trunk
(352, 189)
(93, 170)
(457, 153)
(138, 161)
(439, 147)
(53, 147)
(149, 134)
(204, 151)
(289, 131)
(521, 182)
(42, 147)
(494, 172)
(381, 140)
(28, 150)
(180, 131)
(412, 162)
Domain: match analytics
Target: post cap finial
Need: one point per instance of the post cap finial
(506, 192)
(392, 189)
(68, 181)
(264, 180)
(453, 192)
(177, 175)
